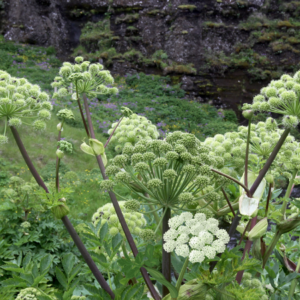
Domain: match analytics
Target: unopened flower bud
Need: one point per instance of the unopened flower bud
(59, 127)
(97, 146)
(248, 114)
(258, 230)
(269, 178)
(60, 154)
(60, 211)
(288, 225)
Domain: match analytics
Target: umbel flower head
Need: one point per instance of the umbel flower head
(29, 294)
(195, 237)
(174, 172)
(131, 130)
(85, 77)
(107, 214)
(22, 101)
(282, 97)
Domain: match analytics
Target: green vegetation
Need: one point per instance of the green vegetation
(187, 6)
(129, 18)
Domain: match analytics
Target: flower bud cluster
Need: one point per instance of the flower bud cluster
(280, 96)
(159, 164)
(248, 282)
(195, 237)
(20, 99)
(29, 294)
(107, 214)
(86, 78)
(131, 130)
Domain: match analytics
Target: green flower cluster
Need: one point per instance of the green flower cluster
(107, 214)
(131, 130)
(86, 77)
(172, 172)
(282, 97)
(21, 101)
(31, 294)
(253, 283)
(263, 137)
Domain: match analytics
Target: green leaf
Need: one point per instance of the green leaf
(116, 242)
(68, 262)
(61, 277)
(44, 297)
(133, 292)
(14, 282)
(68, 294)
(19, 260)
(46, 262)
(7, 206)
(74, 272)
(101, 259)
(27, 259)
(91, 289)
(13, 269)
(103, 232)
(160, 278)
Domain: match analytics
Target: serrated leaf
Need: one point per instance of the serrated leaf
(35, 270)
(13, 269)
(116, 242)
(68, 262)
(101, 259)
(103, 232)
(61, 277)
(91, 289)
(132, 292)
(44, 297)
(19, 260)
(14, 282)
(67, 295)
(28, 277)
(107, 249)
(160, 278)
(46, 262)
(74, 272)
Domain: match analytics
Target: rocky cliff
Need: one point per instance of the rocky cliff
(222, 51)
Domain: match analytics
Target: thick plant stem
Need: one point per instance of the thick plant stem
(57, 175)
(271, 247)
(247, 155)
(268, 199)
(294, 282)
(117, 207)
(65, 219)
(240, 274)
(288, 193)
(108, 140)
(182, 272)
(160, 221)
(82, 115)
(166, 257)
(270, 160)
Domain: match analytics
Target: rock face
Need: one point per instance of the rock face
(221, 50)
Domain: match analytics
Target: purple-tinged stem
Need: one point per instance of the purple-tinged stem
(240, 274)
(270, 160)
(118, 209)
(268, 199)
(113, 133)
(228, 202)
(85, 254)
(82, 115)
(57, 164)
(244, 232)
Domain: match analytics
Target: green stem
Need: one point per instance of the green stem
(271, 247)
(5, 126)
(160, 221)
(294, 282)
(182, 272)
(247, 155)
(288, 193)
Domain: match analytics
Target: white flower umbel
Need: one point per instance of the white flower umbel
(195, 237)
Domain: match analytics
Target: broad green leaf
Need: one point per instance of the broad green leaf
(68, 262)
(74, 272)
(68, 294)
(7, 206)
(101, 259)
(19, 260)
(91, 289)
(28, 277)
(13, 269)
(103, 232)
(61, 277)
(27, 259)
(160, 278)
(14, 282)
(44, 297)
(46, 262)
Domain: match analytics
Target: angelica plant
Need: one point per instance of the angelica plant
(90, 80)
